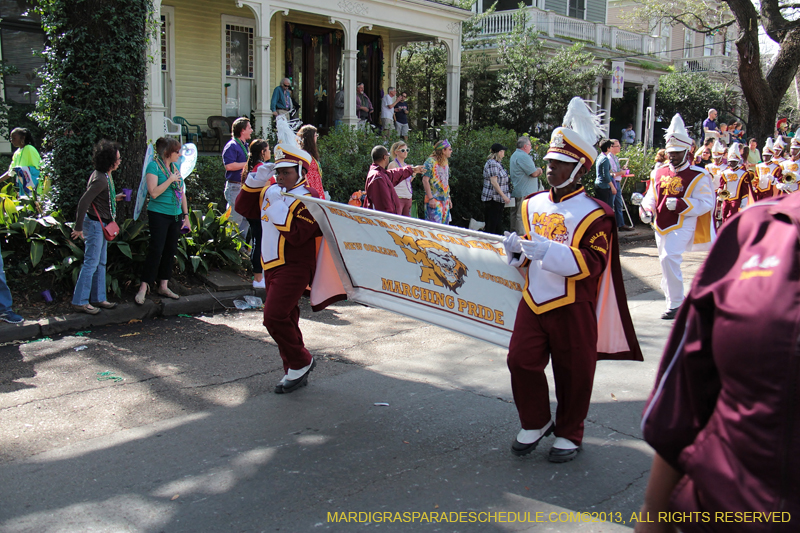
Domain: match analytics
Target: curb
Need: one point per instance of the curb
(124, 313)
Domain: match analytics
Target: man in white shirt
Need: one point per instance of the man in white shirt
(387, 111)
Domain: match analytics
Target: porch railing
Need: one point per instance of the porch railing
(722, 64)
(552, 24)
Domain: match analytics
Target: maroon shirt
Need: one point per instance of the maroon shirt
(381, 195)
(725, 411)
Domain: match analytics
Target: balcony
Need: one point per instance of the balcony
(721, 64)
(595, 34)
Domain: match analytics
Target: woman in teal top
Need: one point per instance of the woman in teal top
(167, 214)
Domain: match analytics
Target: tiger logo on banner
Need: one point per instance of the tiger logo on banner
(439, 265)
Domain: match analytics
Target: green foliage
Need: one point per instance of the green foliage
(691, 94)
(213, 242)
(93, 85)
(421, 72)
(535, 86)
(206, 185)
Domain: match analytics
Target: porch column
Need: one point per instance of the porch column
(154, 108)
(596, 93)
(640, 112)
(607, 104)
(262, 113)
(652, 105)
(453, 80)
(349, 57)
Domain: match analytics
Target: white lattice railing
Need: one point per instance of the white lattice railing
(706, 64)
(600, 35)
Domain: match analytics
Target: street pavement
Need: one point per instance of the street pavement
(188, 436)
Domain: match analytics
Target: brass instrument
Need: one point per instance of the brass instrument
(788, 179)
(724, 194)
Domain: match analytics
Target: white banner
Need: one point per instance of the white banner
(617, 78)
(444, 275)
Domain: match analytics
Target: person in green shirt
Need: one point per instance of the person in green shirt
(25, 154)
(167, 215)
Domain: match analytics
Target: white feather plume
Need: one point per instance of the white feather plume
(718, 147)
(733, 152)
(676, 126)
(286, 134)
(583, 121)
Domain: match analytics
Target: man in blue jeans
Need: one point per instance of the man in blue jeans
(617, 172)
(6, 313)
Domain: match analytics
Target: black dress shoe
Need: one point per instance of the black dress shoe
(560, 455)
(519, 449)
(291, 385)
(670, 315)
(626, 228)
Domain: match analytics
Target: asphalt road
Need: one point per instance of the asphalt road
(171, 425)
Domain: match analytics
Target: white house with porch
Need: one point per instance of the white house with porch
(225, 57)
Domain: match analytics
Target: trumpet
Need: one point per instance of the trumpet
(724, 194)
(788, 179)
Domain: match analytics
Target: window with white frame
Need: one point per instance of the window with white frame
(728, 50)
(238, 64)
(708, 45)
(577, 9)
(688, 43)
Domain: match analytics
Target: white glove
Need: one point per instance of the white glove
(276, 210)
(782, 186)
(274, 194)
(645, 215)
(536, 248)
(672, 203)
(511, 243)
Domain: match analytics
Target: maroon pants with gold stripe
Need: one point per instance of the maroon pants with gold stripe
(285, 285)
(569, 335)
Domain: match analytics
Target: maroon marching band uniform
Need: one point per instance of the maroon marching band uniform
(737, 183)
(724, 410)
(566, 326)
(289, 261)
(381, 195)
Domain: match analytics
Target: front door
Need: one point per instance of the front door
(314, 65)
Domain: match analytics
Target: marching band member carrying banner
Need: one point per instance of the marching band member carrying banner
(681, 196)
(573, 285)
(289, 257)
(763, 185)
(787, 172)
(735, 184)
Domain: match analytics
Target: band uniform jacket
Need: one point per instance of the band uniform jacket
(289, 230)
(692, 187)
(585, 267)
(788, 167)
(724, 408)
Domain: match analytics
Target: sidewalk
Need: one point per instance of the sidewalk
(125, 312)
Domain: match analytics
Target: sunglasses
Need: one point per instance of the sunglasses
(404, 150)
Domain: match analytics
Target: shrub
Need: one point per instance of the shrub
(206, 185)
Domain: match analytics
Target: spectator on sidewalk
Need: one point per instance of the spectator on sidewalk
(381, 182)
(398, 154)
(6, 301)
(96, 208)
(234, 157)
(307, 140)
(604, 188)
(710, 128)
(495, 194)
(617, 172)
(524, 176)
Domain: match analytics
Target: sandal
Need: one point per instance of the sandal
(86, 308)
(168, 293)
(140, 296)
(106, 304)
